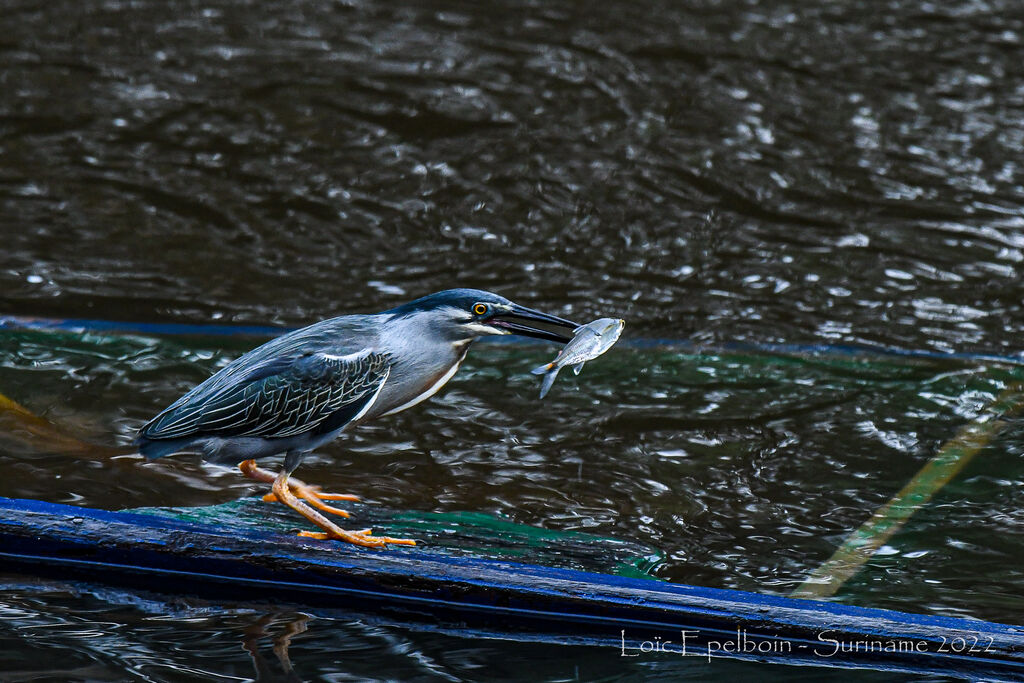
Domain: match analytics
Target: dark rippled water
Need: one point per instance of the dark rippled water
(800, 173)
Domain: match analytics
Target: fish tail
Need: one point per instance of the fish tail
(549, 379)
(540, 370)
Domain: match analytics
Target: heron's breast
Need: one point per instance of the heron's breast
(411, 385)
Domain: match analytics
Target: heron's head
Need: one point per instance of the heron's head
(462, 314)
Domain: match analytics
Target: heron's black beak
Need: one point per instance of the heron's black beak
(523, 321)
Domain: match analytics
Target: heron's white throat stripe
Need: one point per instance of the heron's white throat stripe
(373, 399)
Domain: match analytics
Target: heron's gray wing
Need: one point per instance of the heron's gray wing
(282, 397)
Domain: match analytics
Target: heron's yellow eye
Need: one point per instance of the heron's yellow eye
(480, 309)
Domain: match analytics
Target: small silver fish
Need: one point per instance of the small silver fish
(589, 342)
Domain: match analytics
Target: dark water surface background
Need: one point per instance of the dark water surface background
(807, 173)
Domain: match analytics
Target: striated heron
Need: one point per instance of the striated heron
(301, 390)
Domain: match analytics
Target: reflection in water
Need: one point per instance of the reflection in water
(59, 632)
(290, 625)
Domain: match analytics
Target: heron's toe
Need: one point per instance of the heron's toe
(313, 496)
(335, 496)
(312, 491)
(363, 537)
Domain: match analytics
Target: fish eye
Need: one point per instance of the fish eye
(480, 309)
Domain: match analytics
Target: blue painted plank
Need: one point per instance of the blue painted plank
(507, 599)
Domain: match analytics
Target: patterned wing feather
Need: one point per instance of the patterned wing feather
(276, 399)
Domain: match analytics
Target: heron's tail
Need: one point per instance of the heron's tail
(158, 448)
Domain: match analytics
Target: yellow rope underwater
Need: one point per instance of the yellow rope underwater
(18, 422)
(951, 458)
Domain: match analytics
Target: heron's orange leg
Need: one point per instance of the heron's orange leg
(308, 493)
(330, 529)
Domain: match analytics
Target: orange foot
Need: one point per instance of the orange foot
(307, 492)
(293, 493)
(361, 537)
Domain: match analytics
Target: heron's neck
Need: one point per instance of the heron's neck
(422, 361)
(417, 337)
